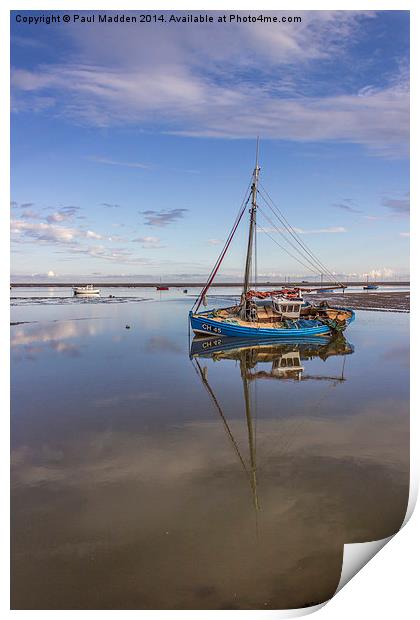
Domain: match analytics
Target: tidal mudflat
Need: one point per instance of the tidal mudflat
(151, 474)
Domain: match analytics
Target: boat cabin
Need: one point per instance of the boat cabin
(287, 365)
(287, 308)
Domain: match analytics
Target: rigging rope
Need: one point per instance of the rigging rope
(215, 402)
(311, 261)
(279, 215)
(215, 269)
(289, 228)
(315, 271)
(295, 248)
(255, 256)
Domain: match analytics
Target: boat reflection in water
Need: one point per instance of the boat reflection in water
(286, 359)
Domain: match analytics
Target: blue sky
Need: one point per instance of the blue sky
(133, 144)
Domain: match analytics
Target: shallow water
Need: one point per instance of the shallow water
(141, 479)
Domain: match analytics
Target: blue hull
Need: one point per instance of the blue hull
(201, 323)
(214, 344)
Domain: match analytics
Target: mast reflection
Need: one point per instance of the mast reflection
(286, 360)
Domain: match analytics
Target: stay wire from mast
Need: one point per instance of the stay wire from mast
(287, 252)
(276, 210)
(285, 224)
(308, 264)
(200, 372)
(288, 228)
(255, 257)
(288, 240)
(217, 264)
(283, 220)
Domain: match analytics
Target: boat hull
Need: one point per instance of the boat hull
(202, 347)
(80, 292)
(202, 324)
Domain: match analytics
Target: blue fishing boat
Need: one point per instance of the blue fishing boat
(370, 287)
(274, 314)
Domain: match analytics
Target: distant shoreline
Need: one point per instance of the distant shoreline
(194, 284)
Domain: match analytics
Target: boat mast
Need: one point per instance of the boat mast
(251, 436)
(250, 471)
(252, 225)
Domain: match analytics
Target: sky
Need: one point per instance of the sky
(132, 144)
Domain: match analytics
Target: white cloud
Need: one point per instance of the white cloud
(149, 242)
(44, 232)
(116, 255)
(404, 234)
(30, 214)
(189, 105)
(57, 217)
(316, 231)
(93, 235)
(302, 231)
(214, 241)
(63, 214)
(372, 218)
(73, 241)
(382, 272)
(50, 232)
(225, 82)
(114, 162)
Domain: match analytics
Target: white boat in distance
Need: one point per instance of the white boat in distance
(89, 289)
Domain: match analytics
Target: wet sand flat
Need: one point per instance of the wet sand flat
(368, 300)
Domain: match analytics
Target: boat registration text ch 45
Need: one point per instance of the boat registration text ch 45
(211, 328)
